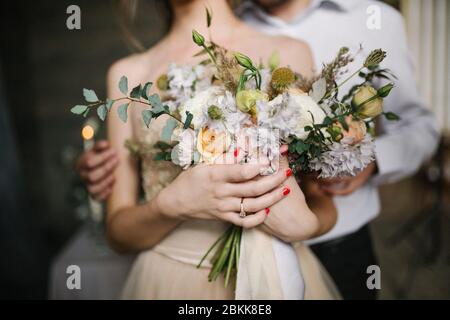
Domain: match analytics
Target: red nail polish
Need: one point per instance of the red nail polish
(284, 153)
(286, 191)
(267, 211)
(288, 172)
(236, 152)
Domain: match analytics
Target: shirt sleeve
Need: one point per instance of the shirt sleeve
(403, 146)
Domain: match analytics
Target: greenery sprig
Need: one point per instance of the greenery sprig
(139, 94)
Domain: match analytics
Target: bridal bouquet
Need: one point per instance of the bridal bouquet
(228, 105)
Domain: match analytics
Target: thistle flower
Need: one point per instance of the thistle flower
(282, 78)
(215, 113)
(375, 58)
(198, 38)
(163, 82)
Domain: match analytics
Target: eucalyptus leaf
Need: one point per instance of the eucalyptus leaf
(145, 90)
(79, 109)
(156, 103)
(167, 131)
(90, 95)
(102, 111)
(123, 112)
(147, 116)
(109, 104)
(123, 85)
(136, 92)
(189, 117)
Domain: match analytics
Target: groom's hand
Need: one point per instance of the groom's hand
(96, 168)
(347, 185)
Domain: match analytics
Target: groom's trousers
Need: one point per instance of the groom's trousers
(346, 260)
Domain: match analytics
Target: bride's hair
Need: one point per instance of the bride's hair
(127, 10)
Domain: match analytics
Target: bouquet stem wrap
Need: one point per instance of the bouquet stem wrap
(268, 269)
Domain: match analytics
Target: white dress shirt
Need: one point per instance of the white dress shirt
(402, 146)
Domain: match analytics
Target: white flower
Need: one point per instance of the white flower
(184, 80)
(344, 159)
(183, 153)
(198, 106)
(309, 113)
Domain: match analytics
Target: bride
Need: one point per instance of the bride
(185, 212)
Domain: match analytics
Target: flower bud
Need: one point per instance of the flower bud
(375, 58)
(246, 99)
(335, 133)
(244, 61)
(366, 108)
(163, 82)
(198, 38)
(384, 91)
(215, 113)
(274, 60)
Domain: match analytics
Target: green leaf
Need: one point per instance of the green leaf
(102, 111)
(385, 90)
(136, 92)
(79, 109)
(167, 131)
(342, 121)
(123, 112)
(301, 147)
(145, 90)
(123, 85)
(109, 104)
(161, 156)
(147, 116)
(90, 95)
(163, 145)
(156, 103)
(391, 116)
(208, 18)
(189, 117)
(327, 121)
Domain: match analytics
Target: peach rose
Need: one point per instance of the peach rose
(211, 144)
(356, 130)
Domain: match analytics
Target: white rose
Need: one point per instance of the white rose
(183, 153)
(309, 113)
(198, 106)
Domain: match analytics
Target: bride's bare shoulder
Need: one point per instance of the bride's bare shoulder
(136, 67)
(295, 53)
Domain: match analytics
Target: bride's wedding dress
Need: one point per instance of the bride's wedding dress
(168, 270)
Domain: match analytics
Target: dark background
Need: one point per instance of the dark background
(44, 66)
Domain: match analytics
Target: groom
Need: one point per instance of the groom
(346, 251)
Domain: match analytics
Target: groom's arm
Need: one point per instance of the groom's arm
(405, 145)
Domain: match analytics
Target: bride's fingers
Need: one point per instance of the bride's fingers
(250, 221)
(258, 186)
(265, 201)
(236, 172)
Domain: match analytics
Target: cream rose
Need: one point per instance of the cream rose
(211, 144)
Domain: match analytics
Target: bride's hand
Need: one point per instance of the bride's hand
(215, 192)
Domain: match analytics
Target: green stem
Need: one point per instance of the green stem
(232, 256)
(328, 94)
(217, 268)
(212, 247)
